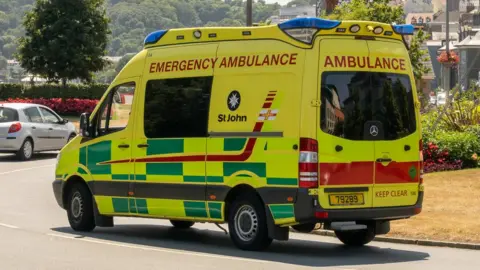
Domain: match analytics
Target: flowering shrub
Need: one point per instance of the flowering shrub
(452, 57)
(436, 160)
(71, 106)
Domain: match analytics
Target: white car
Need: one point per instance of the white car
(27, 128)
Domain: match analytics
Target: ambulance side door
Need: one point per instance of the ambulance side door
(171, 132)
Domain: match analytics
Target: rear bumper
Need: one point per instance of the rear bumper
(307, 209)
(10, 144)
(58, 191)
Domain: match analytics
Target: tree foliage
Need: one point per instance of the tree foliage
(381, 11)
(64, 39)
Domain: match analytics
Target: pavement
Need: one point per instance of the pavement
(34, 234)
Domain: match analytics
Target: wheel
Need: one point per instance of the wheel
(356, 238)
(180, 224)
(71, 137)
(26, 151)
(304, 228)
(247, 224)
(80, 208)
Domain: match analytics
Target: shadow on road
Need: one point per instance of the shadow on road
(35, 157)
(295, 252)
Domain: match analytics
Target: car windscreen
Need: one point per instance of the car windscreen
(8, 115)
(352, 99)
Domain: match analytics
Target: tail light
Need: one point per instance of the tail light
(420, 148)
(308, 163)
(15, 127)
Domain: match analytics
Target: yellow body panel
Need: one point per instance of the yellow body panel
(255, 144)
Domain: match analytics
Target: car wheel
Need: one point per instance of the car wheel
(26, 151)
(304, 228)
(80, 208)
(356, 238)
(247, 224)
(180, 224)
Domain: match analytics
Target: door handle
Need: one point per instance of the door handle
(123, 146)
(381, 160)
(144, 145)
(50, 129)
(338, 148)
(34, 127)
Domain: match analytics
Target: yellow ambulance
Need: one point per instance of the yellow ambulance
(306, 122)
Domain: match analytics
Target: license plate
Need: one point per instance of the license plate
(346, 199)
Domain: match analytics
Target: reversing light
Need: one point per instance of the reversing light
(197, 34)
(378, 30)
(354, 28)
(154, 37)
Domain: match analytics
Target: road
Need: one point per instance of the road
(34, 234)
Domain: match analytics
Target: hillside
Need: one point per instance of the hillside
(132, 20)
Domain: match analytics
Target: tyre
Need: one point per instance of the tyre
(80, 208)
(26, 151)
(304, 228)
(247, 224)
(180, 224)
(356, 238)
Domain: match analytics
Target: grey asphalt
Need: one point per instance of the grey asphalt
(34, 234)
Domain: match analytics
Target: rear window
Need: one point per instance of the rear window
(352, 101)
(8, 115)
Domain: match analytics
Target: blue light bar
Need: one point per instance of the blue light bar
(310, 22)
(154, 37)
(404, 29)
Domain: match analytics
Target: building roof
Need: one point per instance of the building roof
(470, 42)
(454, 17)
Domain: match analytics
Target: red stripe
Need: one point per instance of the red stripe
(396, 173)
(267, 105)
(271, 95)
(355, 173)
(270, 99)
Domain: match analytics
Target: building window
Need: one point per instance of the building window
(414, 20)
(177, 108)
(420, 20)
(428, 20)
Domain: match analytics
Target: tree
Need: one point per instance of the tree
(381, 11)
(64, 40)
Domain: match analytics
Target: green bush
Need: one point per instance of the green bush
(81, 91)
(460, 146)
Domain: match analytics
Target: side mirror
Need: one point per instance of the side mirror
(85, 125)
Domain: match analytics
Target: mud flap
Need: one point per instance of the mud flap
(100, 220)
(275, 232)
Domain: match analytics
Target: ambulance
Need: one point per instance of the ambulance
(263, 129)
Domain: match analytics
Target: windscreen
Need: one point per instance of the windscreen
(351, 99)
(8, 115)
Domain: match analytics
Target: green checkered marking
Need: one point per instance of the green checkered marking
(142, 206)
(80, 171)
(194, 179)
(282, 181)
(133, 207)
(282, 211)
(120, 177)
(120, 205)
(99, 152)
(229, 168)
(234, 144)
(163, 147)
(215, 210)
(165, 169)
(195, 209)
(215, 179)
(83, 156)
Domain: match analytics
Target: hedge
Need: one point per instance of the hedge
(48, 91)
(64, 107)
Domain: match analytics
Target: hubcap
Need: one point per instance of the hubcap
(77, 205)
(27, 149)
(246, 223)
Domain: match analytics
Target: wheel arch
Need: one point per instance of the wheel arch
(69, 183)
(237, 191)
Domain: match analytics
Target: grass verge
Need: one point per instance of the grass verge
(451, 209)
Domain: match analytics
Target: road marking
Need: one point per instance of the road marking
(8, 226)
(26, 169)
(154, 248)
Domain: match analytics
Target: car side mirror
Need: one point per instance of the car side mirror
(85, 125)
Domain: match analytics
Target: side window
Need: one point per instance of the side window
(177, 108)
(115, 111)
(49, 116)
(33, 115)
